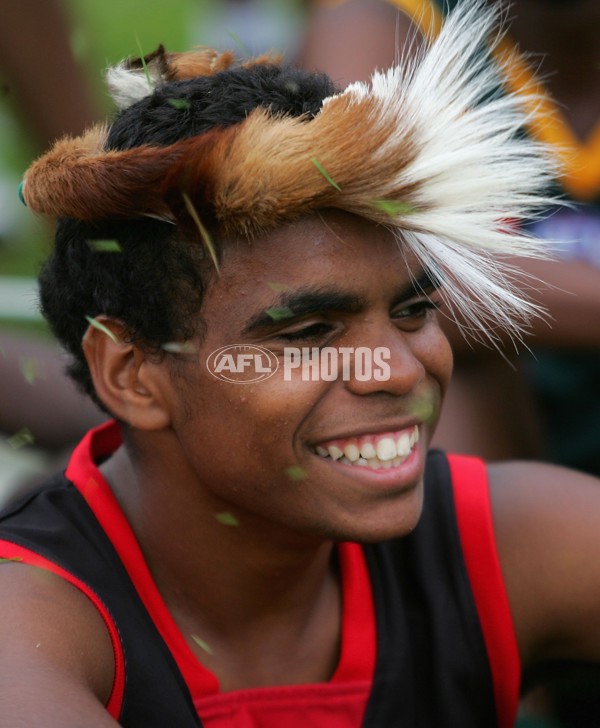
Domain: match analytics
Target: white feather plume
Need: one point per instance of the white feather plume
(474, 170)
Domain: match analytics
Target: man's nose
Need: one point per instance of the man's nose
(395, 369)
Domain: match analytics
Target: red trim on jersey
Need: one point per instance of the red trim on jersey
(358, 645)
(357, 656)
(474, 517)
(296, 706)
(83, 472)
(10, 550)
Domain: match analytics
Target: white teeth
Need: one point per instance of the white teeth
(414, 436)
(403, 444)
(334, 452)
(373, 463)
(386, 449)
(388, 453)
(368, 451)
(352, 452)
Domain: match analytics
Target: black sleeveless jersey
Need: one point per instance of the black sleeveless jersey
(445, 649)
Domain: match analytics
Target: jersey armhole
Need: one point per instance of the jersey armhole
(476, 532)
(12, 551)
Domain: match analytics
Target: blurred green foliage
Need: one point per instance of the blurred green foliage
(102, 33)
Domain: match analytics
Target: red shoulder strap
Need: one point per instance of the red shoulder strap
(9, 550)
(474, 517)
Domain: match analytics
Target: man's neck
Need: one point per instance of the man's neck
(256, 605)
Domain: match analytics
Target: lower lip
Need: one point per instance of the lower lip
(403, 476)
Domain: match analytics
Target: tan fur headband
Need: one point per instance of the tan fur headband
(427, 149)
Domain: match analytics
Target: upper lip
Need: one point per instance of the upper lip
(377, 429)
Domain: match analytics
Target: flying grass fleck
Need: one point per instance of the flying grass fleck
(91, 485)
(227, 519)
(239, 42)
(204, 234)
(21, 438)
(101, 327)
(104, 246)
(296, 472)
(20, 189)
(79, 43)
(325, 174)
(201, 643)
(13, 558)
(393, 208)
(279, 313)
(278, 287)
(179, 347)
(292, 86)
(179, 103)
(31, 369)
(144, 64)
(423, 408)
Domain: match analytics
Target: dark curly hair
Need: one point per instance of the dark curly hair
(155, 283)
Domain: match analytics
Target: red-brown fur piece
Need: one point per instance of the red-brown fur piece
(249, 178)
(201, 62)
(205, 62)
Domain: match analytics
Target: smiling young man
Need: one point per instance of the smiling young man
(285, 551)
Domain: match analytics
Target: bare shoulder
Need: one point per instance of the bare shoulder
(547, 523)
(56, 661)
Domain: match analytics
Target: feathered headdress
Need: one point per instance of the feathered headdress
(430, 149)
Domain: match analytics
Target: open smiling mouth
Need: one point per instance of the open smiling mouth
(376, 452)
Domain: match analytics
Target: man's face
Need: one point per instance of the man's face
(266, 451)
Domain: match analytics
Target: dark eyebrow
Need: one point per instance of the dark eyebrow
(294, 305)
(424, 283)
(290, 306)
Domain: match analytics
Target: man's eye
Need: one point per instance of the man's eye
(417, 310)
(308, 333)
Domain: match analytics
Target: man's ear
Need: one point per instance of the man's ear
(131, 387)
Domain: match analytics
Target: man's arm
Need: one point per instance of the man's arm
(35, 55)
(56, 657)
(568, 290)
(547, 523)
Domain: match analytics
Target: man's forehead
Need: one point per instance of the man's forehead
(316, 250)
(295, 245)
